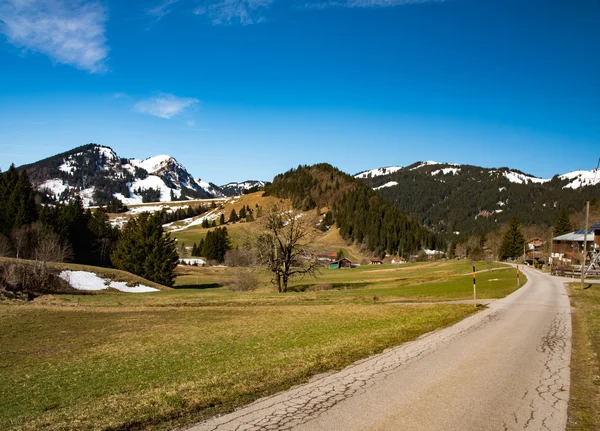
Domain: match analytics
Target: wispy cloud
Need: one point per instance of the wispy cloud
(224, 12)
(165, 105)
(162, 9)
(68, 31)
(323, 4)
(369, 3)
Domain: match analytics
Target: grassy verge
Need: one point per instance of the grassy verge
(584, 403)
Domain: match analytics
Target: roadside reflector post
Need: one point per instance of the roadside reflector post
(474, 287)
(518, 277)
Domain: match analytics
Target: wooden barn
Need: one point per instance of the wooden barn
(342, 263)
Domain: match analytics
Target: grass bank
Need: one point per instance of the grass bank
(584, 403)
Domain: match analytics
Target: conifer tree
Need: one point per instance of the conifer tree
(216, 244)
(563, 224)
(233, 217)
(512, 245)
(222, 219)
(144, 249)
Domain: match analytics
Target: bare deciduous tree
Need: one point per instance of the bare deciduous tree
(283, 246)
(49, 248)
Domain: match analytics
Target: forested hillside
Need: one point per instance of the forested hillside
(461, 200)
(361, 214)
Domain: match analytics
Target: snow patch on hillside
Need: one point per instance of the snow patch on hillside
(581, 178)
(431, 163)
(56, 186)
(84, 280)
(152, 164)
(388, 184)
(378, 172)
(517, 178)
(446, 171)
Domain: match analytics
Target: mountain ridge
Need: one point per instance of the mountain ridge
(98, 175)
(461, 200)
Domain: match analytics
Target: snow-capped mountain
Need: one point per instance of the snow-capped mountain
(572, 180)
(98, 175)
(236, 189)
(449, 198)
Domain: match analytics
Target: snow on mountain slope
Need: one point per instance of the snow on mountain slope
(519, 178)
(579, 179)
(574, 180)
(236, 189)
(378, 172)
(152, 164)
(97, 174)
(389, 184)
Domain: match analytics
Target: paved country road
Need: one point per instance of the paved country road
(505, 368)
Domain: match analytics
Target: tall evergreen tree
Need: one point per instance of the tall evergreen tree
(222, 219)
(233, 217)
(216, 244)
(563, 224)
(514, 241)
(146, 250)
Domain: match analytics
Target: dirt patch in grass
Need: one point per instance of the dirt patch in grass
(584, 402)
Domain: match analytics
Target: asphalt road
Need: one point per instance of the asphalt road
(505, 368)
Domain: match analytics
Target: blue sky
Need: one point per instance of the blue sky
(245, 89)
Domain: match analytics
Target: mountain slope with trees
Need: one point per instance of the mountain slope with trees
(463, 200)
(362, 215)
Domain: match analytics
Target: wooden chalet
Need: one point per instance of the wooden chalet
(342, 263)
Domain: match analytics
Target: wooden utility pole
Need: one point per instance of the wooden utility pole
(474, 287)
(585, 231)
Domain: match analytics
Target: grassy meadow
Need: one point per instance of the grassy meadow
(170, 358)
(584, 402)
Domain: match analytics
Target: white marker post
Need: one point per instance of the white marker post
(474, 287)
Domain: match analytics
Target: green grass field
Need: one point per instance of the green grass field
(584, 402)
(170, 358)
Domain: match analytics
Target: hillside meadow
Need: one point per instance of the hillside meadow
(171, 358)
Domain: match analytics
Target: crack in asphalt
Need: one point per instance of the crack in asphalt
(552, 386)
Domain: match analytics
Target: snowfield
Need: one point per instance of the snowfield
(515, 177)
(84, 280)
(388, 184)
(378, 172)
(446, 171)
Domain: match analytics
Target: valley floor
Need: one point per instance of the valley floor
(166, 359)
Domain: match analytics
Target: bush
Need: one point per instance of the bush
(244, 280)
(239, 257)
(26, 280)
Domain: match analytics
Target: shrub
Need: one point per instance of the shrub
(244, 280)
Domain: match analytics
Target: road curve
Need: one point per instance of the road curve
(505, 368)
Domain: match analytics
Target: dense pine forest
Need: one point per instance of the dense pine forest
(473, 200)
(361, 214)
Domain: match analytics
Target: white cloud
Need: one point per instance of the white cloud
(161, 9)
(165, 105)
(68, 31)
(245, 12)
